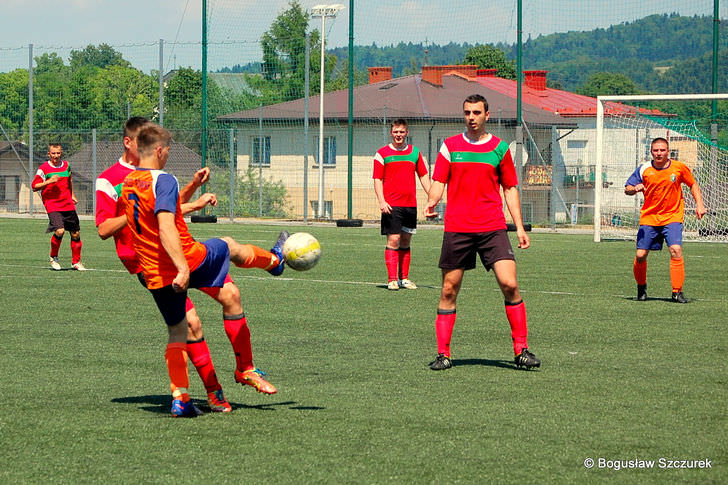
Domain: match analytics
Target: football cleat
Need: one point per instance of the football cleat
(181, 409)
(217, 402)
(441, 362)
(641, 292)
(277, 249)
(526, 359)
(254, 378)
(393, 285)
(79, 266)
(678, 297)
(407, 285)
(55, 264)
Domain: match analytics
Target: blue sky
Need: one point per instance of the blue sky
(60, 25)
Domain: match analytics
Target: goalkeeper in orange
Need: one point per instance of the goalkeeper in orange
(661, 217)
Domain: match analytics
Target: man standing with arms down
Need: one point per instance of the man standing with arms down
(395, 166)
(661, 217)
(475, 165)
(55, 183)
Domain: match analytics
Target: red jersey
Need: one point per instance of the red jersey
(397, 169)
(57, 196)
(108, 191)
(144, 194)
(664, 202)
(474, 173)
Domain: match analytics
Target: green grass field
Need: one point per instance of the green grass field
(85, 392)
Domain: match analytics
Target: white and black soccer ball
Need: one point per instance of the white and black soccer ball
(302, 251)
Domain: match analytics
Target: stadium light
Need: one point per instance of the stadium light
(323, 11)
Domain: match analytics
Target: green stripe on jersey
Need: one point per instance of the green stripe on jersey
(492, 157)
(64, 173)
(412, 157)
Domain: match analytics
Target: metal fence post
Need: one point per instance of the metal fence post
(30, 129)
(231, 148)
(93, 167)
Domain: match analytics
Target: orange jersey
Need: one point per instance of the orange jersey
(144, 194)
(664, 202)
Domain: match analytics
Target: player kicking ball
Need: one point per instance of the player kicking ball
(172, 261)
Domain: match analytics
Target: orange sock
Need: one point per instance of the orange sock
(255, 257)
(677, 274)
(176, 357)
(640, 272)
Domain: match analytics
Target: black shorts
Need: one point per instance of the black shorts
(171, 304)
(401, 219)
(67, 220)
(459, 249)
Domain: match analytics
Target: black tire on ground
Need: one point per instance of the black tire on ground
(349, 223)
(512, 227)
(204, 218)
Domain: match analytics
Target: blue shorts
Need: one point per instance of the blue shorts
(652, 237)
(211, 273)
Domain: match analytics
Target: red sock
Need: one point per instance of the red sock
(55, 245)
(236, 328)
(516, 314)
(199, 354)
(390, 259)
(76, 250)
(640, 271)
(444, 324)
(677, 274)
(176, 357)
(404, 263)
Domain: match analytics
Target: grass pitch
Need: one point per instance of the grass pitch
(85, 391)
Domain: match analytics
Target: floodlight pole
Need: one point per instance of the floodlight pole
(322, 11)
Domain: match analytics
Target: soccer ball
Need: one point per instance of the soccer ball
(302, 251)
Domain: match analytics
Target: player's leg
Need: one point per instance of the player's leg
(673, 236)
(172, 306)
(55, 225)
(391, 226)
(236, 328)
(250, 256)
(73, 226)
(647, 238)
(199, 354)
(404, 256)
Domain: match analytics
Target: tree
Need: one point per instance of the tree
(489, 57)
(608, 83)
(101, 56)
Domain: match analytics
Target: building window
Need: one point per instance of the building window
(329, 151)
(576, 144)
(674, 154)
(260, 151)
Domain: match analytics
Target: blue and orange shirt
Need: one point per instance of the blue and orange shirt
(474, 173)
(664, 202)
(144, 194)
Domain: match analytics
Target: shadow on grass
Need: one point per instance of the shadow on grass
(504, 364)
(161, 403)
(649, 298)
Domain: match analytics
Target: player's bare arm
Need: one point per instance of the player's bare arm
(513, 202)
(700, 209)
(111, 226)
(169, 236)
(200, 177)
(70, 186)
(425, 182)
(633, 189)
(379, 190)
(434, 195)
(207, 198)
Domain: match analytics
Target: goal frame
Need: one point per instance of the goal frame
(601, 100)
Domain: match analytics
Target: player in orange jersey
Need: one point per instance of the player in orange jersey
(172, 261)
(110, 221)
(661, 217)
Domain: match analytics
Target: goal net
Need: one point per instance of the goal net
(624, 134)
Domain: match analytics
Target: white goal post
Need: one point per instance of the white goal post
(623, 134)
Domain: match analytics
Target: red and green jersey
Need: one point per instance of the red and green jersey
(664, 202)
(144, 194)
(474, 173)
(57, 196)
(108, 191)
(397, 169)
